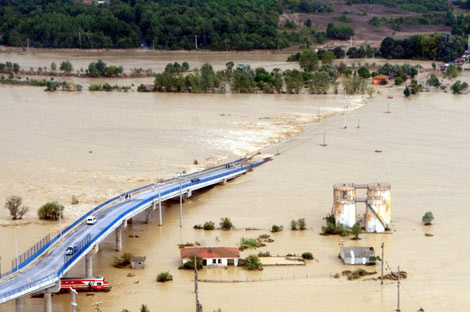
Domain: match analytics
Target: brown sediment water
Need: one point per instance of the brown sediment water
(46, 139)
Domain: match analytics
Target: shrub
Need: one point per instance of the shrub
(246, 243)
(123, 260)
(144, 308)
(398, 81)
(307, 255)
(363, 72)
(190, 264)
(428, 218)
(226, 223)
(50, 211)
(94, 87)
(164, 277)
(198, 227)
(107, 87)
(209, 225)
(15, 206)
(458, 87)
(293, 225)
(341, 230)
(302, 224)
(277, 228)
(264, 254)
(252, 263)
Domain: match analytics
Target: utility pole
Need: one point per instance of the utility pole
(60, 217)
(398, 286)
(181, 202)
(28, 42)
(79, 40)
(358, 123)
(153, 44)
(195, 41)
(160, 204)
(196, 286)
(125, 187)
(16, 246)
(382, 279)
(97, 305)
(93, 194)
(324, 141)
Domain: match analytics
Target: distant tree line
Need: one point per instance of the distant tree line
(439, 46)
(408, 5)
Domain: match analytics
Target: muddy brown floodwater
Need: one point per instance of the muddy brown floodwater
(45, 144)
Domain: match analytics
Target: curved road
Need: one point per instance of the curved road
(46, 270)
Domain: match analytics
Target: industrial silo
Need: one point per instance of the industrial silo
(375, 210)
(344, 192)
(345, 213)
(381, 191)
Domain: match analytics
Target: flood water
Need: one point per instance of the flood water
(46, 142)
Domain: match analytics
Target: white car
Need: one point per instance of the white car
(91, 220)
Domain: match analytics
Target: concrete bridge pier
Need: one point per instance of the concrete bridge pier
(147, 215)
(19, 304)
(47, 302)
(89, 265)
(119, 238)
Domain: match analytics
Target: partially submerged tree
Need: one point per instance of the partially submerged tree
(226, 223)
(50, 211)
(356, 230)
(428, 218)
(252, 263)
(14, 204)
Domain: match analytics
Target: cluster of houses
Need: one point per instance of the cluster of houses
(464, 59)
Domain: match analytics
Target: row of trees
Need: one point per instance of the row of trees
(439, 46)
(318, 77)
(409, 5)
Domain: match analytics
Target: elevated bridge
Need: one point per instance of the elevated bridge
(41, 271)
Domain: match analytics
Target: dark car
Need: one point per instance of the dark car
(71, 250)
(195, 180)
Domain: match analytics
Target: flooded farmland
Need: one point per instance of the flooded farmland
(53, 144)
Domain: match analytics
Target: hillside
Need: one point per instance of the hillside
(223, 24)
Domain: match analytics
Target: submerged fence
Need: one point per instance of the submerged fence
(263, 278)
(30, 252)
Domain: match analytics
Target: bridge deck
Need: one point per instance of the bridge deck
(51, 264)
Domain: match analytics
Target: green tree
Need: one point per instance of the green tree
(302, 224)
(433, 81)
(356, 230)
(308, 60)
(320, 83)
(53, 66)
(328, 57)
(252, 263)
(50, 211)
(144, 308)
(293, 80)
(66, 67)
(363, 72)
(226, 223)
(451, 72)
(293, 225)
(458, 87)
(229, 65)
(407, 91)
(428, 218)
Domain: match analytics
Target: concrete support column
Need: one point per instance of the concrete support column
(147, 215)
(89, 265)
(119, 239)
(47, 302)
(19, 304)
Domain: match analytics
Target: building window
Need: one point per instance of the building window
(219, 261)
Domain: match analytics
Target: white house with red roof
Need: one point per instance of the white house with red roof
(212, 256)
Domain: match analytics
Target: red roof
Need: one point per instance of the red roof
(210, 252)
(381, 77)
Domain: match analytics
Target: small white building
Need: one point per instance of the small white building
(357, 255)
(212, 256)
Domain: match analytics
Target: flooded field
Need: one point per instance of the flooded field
(46, 142)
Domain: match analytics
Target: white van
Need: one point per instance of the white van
(91, 220)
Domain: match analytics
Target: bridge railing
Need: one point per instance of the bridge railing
(75, 257)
